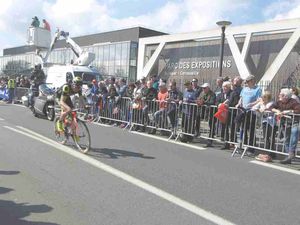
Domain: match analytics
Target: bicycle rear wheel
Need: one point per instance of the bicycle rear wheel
(61, 137)
(83, 138)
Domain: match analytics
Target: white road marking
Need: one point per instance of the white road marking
(170, 141)
(130, 179)
(1, 119)
(276, 167)
(23, 106)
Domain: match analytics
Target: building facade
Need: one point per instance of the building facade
(115, 51)
(270, 51)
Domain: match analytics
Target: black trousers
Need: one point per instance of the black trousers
(249, 128)
(228, 130)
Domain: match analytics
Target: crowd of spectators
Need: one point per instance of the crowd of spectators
(243, 95)
(8, 87)
(21, 81)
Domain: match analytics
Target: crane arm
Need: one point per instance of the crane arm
(83, 57)
(75, 47)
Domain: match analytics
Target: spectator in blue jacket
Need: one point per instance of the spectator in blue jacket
(249, 96)
(188, 110)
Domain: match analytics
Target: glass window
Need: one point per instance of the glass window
(132, 73)
(71, 57)
(68, 56)
(101, 54)
(118, 71)
(111, 70)
(125, 53)
(51, 58)
(118, 54)
(62, 56)
(55, 56)
(104, 70)
(112, 54)
(133, 50)
(105, 55)
(59, 56)
(125, 70)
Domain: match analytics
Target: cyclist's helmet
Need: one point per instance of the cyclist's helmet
(77, 81)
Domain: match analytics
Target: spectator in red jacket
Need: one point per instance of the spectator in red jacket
(46, 25)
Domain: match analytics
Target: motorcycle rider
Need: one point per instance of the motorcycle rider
(38, 75)
(37, 78)
(65, 102)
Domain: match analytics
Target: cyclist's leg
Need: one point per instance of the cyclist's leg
(65, 110)
(74, 127)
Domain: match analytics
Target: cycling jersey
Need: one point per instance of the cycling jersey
(67, 91)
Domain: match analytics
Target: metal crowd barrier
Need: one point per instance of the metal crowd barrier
(264, 131)
(271, 133)
(115, 109)
(154, 115)
(207, 126)
(19, 93)
(187, 115)
(199, 121)
(3, 93)
(231, 130)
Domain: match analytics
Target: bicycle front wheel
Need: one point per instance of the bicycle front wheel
(82, 138)
(61, 136)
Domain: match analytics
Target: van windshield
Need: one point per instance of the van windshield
(87, 77)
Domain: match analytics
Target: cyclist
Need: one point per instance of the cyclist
(69, 89)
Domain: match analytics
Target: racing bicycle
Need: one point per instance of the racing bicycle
(80, 136)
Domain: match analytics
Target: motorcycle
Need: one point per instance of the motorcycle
(41, 104)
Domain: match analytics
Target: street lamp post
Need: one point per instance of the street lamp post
(223, 25)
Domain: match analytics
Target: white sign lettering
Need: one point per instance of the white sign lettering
(198, 65)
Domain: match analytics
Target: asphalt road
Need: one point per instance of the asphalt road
(132, 179)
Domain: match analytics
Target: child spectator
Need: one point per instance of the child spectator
(263, 108)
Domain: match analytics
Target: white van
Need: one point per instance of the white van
(56, 75)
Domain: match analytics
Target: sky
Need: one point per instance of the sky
(81, 17)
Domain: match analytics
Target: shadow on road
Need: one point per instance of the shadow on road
(4, 190)
(11, 213)
(116, 153)
(2, 172)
